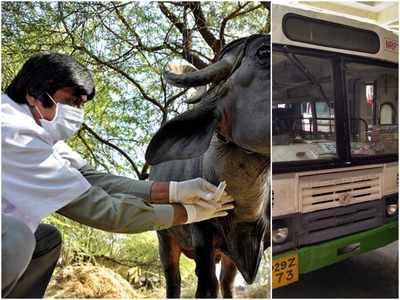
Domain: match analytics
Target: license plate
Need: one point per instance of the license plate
(285, 270)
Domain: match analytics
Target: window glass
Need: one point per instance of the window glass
(388, 115)
(324, 33)
(302, 108)
(372, 94)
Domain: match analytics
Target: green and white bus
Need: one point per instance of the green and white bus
(334, 140)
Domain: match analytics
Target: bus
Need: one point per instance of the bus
(334, 140)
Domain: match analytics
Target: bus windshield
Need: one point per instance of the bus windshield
(303, 108)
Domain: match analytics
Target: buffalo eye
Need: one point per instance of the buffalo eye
(263, 54)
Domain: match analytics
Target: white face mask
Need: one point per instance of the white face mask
(66, 122)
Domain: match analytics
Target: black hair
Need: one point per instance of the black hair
(48, 72)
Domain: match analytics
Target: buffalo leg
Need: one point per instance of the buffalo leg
(207, 285)
(227, 276)
(170, 253)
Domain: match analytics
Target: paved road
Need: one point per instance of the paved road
(370, 275)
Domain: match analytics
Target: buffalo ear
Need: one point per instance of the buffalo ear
(186, 136)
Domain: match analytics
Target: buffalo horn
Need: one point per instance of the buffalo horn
(196, 97)
(212, 73)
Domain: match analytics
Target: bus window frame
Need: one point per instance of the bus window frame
(342, 124)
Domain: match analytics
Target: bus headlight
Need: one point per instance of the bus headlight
(391, 209)
(279, 235)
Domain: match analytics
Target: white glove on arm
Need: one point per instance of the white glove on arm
(196, 191)
(197, 213)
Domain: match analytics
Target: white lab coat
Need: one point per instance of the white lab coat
(39, 176)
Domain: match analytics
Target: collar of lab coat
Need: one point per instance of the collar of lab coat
(19, 115)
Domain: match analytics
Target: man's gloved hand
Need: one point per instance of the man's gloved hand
(197, 213)
(196, 191)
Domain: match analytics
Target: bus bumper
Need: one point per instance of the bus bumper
(317, 256)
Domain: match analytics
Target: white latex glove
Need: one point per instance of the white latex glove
(196, 191)
(197, 213)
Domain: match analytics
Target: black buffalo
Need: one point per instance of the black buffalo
(225, 137)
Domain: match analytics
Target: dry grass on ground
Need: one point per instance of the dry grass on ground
(89, 282)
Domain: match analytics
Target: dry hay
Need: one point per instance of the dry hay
(88, 282)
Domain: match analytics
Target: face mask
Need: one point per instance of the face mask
(65, 123)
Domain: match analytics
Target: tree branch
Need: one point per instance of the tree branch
(171, 99)
(225, 20)
(139, 41)
(190, 56)
(91, 151)
(202, 27)
(93, 133)
(187, 54)
(144, 174)
(124, 74)
(234, 14)
(108, 64)
(173, 19)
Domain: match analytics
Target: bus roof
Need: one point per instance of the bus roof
(386, 48)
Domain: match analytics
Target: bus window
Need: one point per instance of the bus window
(372, 94)
(303, 122)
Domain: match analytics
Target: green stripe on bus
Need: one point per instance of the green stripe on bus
(324, 254)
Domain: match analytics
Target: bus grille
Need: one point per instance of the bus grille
(339, 189)
(331, 223)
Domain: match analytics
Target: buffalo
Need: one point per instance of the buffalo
(225, 137)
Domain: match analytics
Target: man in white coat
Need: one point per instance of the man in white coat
(41, 174)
